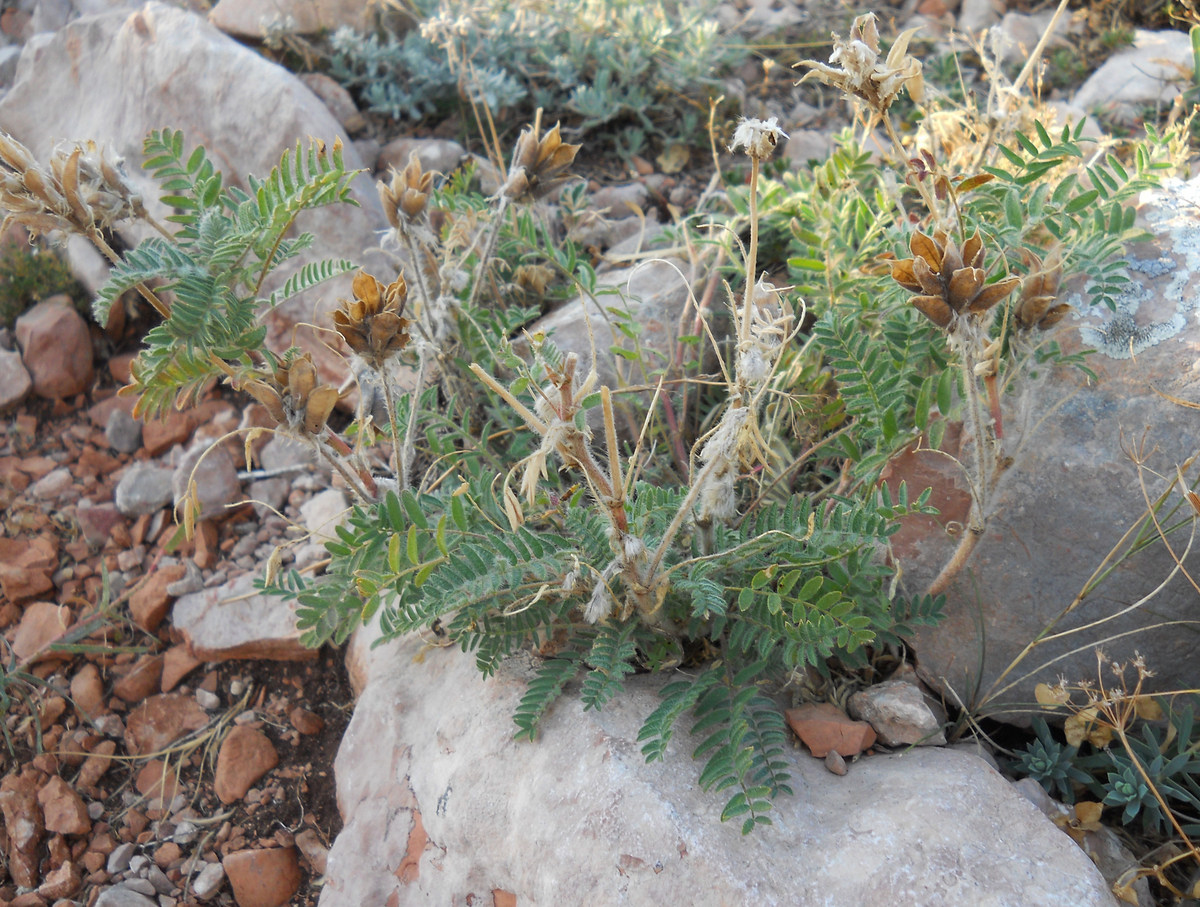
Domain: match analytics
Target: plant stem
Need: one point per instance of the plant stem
(404, 455)
(145, 291)
(751, 256)
(489, 247)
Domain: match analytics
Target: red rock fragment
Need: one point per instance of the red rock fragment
(56, 348)
(824, 727)
(64, 810)
(157, 781)
(245, 756)
(87, 692)
(158, 435)
(306, 722)
(150, 602)
(263, 878)
(23, 822)
(97, 763)
(41, 624)
(61, 882)
(142, 680)
(178, 662)
(160, 721)
(26, 565)
(206, 545)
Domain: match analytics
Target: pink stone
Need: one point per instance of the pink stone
(56, 348)
(824, 727)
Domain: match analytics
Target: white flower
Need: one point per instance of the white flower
(758, 138)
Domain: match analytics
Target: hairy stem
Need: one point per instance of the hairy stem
(404, 455)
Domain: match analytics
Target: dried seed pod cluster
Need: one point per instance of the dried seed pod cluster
(1036, 307)
(861, 72)
(293, 397)
(407, 195)
(371, 323)
(539, 165)
(950, 285)
(82, 190)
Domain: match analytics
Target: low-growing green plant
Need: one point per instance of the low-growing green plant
(28, 275)
(1138, 755)
(640, 70)
(485, 509)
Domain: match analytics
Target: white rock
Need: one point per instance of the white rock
(898, 712)
(441, 155)
(124, 896)
(231, 621)
(1019, 33)
(208, 881)
(259, 18)
(52, 485)
(431, 780)
(144, 488)
(215, 475)
(15, 382)
(976, 15)
(321, 514)
(74, 84)
(1151, 73)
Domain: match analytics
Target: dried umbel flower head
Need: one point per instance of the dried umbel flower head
(862, 74)
(759, 138)
(539, 165)
(371, 322)
(407, 195)
(950, 285)
(82, 190)
(292, 395)
(1037, 307)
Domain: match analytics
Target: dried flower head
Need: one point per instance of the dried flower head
(82, 190)
(407, 195)
(1036, 307)
(759, 138)
(292, 395)
(539, 165)
(371, 322)
(862, 74)
(950, 285)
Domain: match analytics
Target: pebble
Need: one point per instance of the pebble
(52, 485)
(185, 833)
(124, 895)
(263, 878)
(208, 881)
(118, 860)
(207, 700)
(141, 886)
(159, 881)
(245, 756)
(192, 581)
(122, 431)
(144, 488)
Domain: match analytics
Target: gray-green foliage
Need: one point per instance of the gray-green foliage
(227, 242)
(644, 68)
(1161, 758)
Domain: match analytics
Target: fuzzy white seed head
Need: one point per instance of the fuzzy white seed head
(759, 138)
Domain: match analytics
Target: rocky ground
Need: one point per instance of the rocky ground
(168, 741)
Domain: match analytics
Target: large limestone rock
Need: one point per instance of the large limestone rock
(1073, 491)
(1148, 74)
(259, 18)
(441, 804)
(115, 76)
